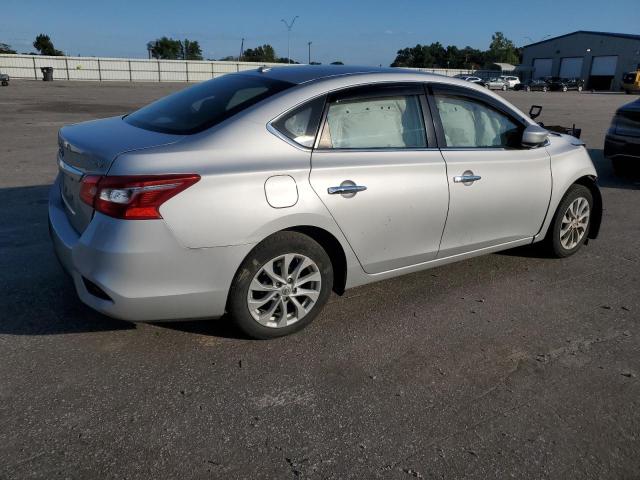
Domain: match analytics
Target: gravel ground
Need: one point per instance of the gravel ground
(506, 366)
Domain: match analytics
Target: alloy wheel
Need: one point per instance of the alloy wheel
(284, 290)
(574, 223)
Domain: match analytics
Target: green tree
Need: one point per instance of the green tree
(190, 50)
(422, 56)
(165, 48)
(502, 50)
(264, 53)
(6, 48)
(286, 60)
(44, 45)
(472, 58)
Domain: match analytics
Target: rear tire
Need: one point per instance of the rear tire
(569, 228)
(564, 89)
(281, 286)
(527, 88)
(544, 89)
(504, 88)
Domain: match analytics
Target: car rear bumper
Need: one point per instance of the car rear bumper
(616, 146)
(136, 269)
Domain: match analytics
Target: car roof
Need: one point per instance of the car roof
(299, 74)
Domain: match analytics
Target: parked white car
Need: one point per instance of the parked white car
(496, 83)
(511, 80)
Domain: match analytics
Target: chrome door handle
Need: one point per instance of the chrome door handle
(466, 178)
(346, 189)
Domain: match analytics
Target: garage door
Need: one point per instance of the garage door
(571, 67)
(605, 65)
(542, 67)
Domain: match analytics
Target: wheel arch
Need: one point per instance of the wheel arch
(334, 249)
(590, 182)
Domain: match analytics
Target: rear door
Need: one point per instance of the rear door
(378, 171)
(499, 191)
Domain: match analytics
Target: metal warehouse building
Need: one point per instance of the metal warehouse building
(599, 58)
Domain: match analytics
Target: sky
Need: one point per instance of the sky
(355, 32)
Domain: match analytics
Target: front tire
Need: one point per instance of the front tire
(281, 286)
(570, 226)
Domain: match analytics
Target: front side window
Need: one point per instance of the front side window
(470, 123)
(199, 107)
(370, 123)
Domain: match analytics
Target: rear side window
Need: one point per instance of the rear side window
(370, 123)
(301, 125)
(197, 108)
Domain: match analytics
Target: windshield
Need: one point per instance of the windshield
(199, 107)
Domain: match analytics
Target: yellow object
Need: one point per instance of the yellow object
(631, 81)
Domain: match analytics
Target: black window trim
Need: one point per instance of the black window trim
(380, 90)
(271, 125)
(433, 87)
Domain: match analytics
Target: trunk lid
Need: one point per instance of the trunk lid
(90, 148)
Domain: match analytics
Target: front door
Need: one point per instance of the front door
(377, 170)
(499, 191)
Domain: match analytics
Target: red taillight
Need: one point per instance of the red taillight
(135, 197)
(89, 188)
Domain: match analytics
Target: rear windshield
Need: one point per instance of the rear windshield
(199, 107)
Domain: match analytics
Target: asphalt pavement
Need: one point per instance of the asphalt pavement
(510, 365)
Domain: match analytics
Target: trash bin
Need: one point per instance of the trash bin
(47, 74)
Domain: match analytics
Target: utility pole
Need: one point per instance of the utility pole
(241, 50)
(289, 27)
(309, 43)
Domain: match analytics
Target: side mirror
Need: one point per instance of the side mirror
(534, 136)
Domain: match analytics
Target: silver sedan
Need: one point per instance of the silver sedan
(257, 194)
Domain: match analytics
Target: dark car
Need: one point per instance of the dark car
(4, 79)
(533, 85)
(622, 143)
(565, 84)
